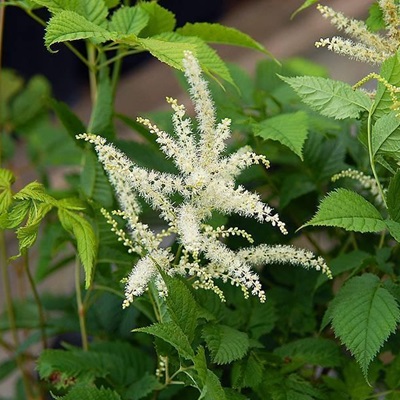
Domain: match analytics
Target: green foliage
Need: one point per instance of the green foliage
(189, 344)
(331, 98)
(363, 316)
(346, 209)
(289, 129)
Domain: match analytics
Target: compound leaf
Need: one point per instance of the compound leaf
(386, 135)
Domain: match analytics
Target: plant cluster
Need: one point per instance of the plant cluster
(187, 282)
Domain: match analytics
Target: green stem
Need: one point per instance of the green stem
(116, 72)
(11, 317)
(91, 53)
(39, 304)
(371, 156)
(81, 307)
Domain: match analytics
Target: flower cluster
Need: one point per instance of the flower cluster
(362, 44)
(206, 183)
(367, 182)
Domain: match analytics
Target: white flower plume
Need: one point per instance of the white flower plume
(362, 44)
(206, 183)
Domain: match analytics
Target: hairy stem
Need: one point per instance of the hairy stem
(80, 306)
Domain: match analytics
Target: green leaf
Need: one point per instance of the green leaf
(31, 102)
(143, 387)
(93, 10)
(394, 229)
(6, 180)
(390, 71)
(86, 392)
(294, 186)
(217, 33)
(102, 115)
(306, 4)
(69, 25)
(386, 135)
(289, 129)
(262, 319)
(248, 372)
(331, 98)
(375, 21)
(172, 334)
(226, 344)
(167, 51)
(129, 20)
(206, 380)
(68, 118)
(27, 234)
(364, 314)
(346, 209)
(315, 351)
(94, 182)
(160, 19)
(183, 308)
(208, 58)
(85, 238)
(7, 367)
(345, 262)
(392, 197)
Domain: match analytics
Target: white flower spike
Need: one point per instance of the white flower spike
(206, 183)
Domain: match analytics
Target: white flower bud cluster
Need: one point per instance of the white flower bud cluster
(367, 46)
(367, 182)
(206, 183)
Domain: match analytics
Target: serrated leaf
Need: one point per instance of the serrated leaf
(217, 33)
(375, 21)
(289, 129)
(226, 344)
(69, 25)
(346, 209)
(247, 372)
(208, 58)
(316, 351)
(386, 135)
(143, 387)
(394, 229)
(129, 20)
(392, 197)
(364, 314)
(206, 380)
(331, 98)
(93, 10)
(6, 180)
(86, 392)
(212, 388)
(172, 334)
(166, 51)
(183, 308)
(390, 71)
(160, 19)
(85, 238)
